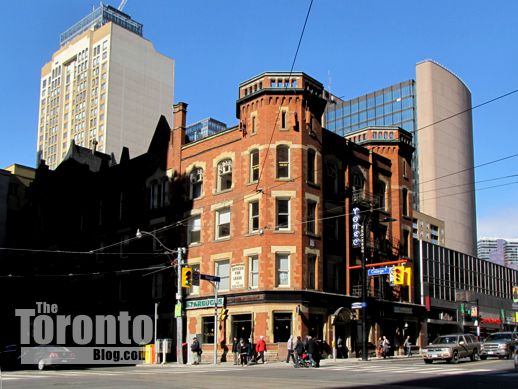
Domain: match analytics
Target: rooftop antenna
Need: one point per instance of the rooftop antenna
(122, 4)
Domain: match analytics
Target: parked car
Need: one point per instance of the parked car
(10, 357)
(44, 356)
(451, 348)
(499, 344)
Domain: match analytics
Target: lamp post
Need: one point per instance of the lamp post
(179, 319)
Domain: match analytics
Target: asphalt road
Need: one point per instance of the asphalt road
(393, 373)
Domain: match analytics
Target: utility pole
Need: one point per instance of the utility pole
(365, 357)
(216, 324)
(179, 300)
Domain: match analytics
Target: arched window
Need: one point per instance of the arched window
(196, 178)
(283, 161)
(254, 165)
(224, 175)
(312, 156)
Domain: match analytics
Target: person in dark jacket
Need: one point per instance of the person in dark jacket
(298, 350)
(311, 349)
(196, 351)
(235, 350)
(243, 352)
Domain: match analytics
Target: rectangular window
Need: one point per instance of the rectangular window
(281, 326)
(311, 165)
(207, 324)
(311, 216)
(253, 271)
(254, 165)
(312, 261)
(194, 227)
(282, 214)
(283, 161)
(253, 222)
(254, 129)
(223, 272)
(283, 120)
(222, 223)
(283, 269)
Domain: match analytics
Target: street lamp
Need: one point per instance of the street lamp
(179, 320)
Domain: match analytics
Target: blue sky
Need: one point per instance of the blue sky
(358, 46)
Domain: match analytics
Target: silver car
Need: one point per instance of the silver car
(451, 348)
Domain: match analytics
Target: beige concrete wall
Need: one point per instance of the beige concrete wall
(446, 148)
(140, 89)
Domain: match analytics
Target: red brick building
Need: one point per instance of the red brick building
(271, 215)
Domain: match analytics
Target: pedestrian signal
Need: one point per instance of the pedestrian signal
(399, 275)
(186, 277)
(407, 271)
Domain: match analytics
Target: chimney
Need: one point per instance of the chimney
(177, 139)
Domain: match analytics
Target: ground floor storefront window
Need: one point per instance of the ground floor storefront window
(281, 326)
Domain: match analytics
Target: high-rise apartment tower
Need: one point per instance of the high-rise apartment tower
(105, 88)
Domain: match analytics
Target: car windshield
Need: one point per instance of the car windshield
(445, 340)
(498, 337)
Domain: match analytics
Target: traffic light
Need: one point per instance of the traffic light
(399, 275)
(196, 277)
(223, 315)
(186, 277)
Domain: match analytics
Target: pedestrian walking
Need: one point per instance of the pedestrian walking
(397, 341)
(235, 350)
(243, 352)
(196, 351)
(291, 346)
(340, 347)
(298, 351)
(260, 348)
(311, 349)
(408, 347)
(386, 347)
(251, 352)
(379, 347)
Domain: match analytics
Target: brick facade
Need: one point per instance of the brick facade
(302, 183)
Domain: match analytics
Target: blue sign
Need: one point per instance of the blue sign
(378, 271)
(357, 240)
(358, 305)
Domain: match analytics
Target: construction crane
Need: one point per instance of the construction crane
(122, 4)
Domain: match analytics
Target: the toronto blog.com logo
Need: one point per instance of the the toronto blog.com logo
(48, 337)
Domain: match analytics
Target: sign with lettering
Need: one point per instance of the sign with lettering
(357, 240)
(205, 303)
(379, 271)
(237, 278)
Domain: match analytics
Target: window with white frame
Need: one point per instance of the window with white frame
(254, 165)
(284, 119)
(194, 229)
(282, 209)
(223, 272)
(223, 223)
(224, 175)
(253, 218)
(253, 271)
(196, 178)
(283, 269)
(311, 227)
(283, 161)
(254, 124)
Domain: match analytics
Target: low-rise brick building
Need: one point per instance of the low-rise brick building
(271, 216)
